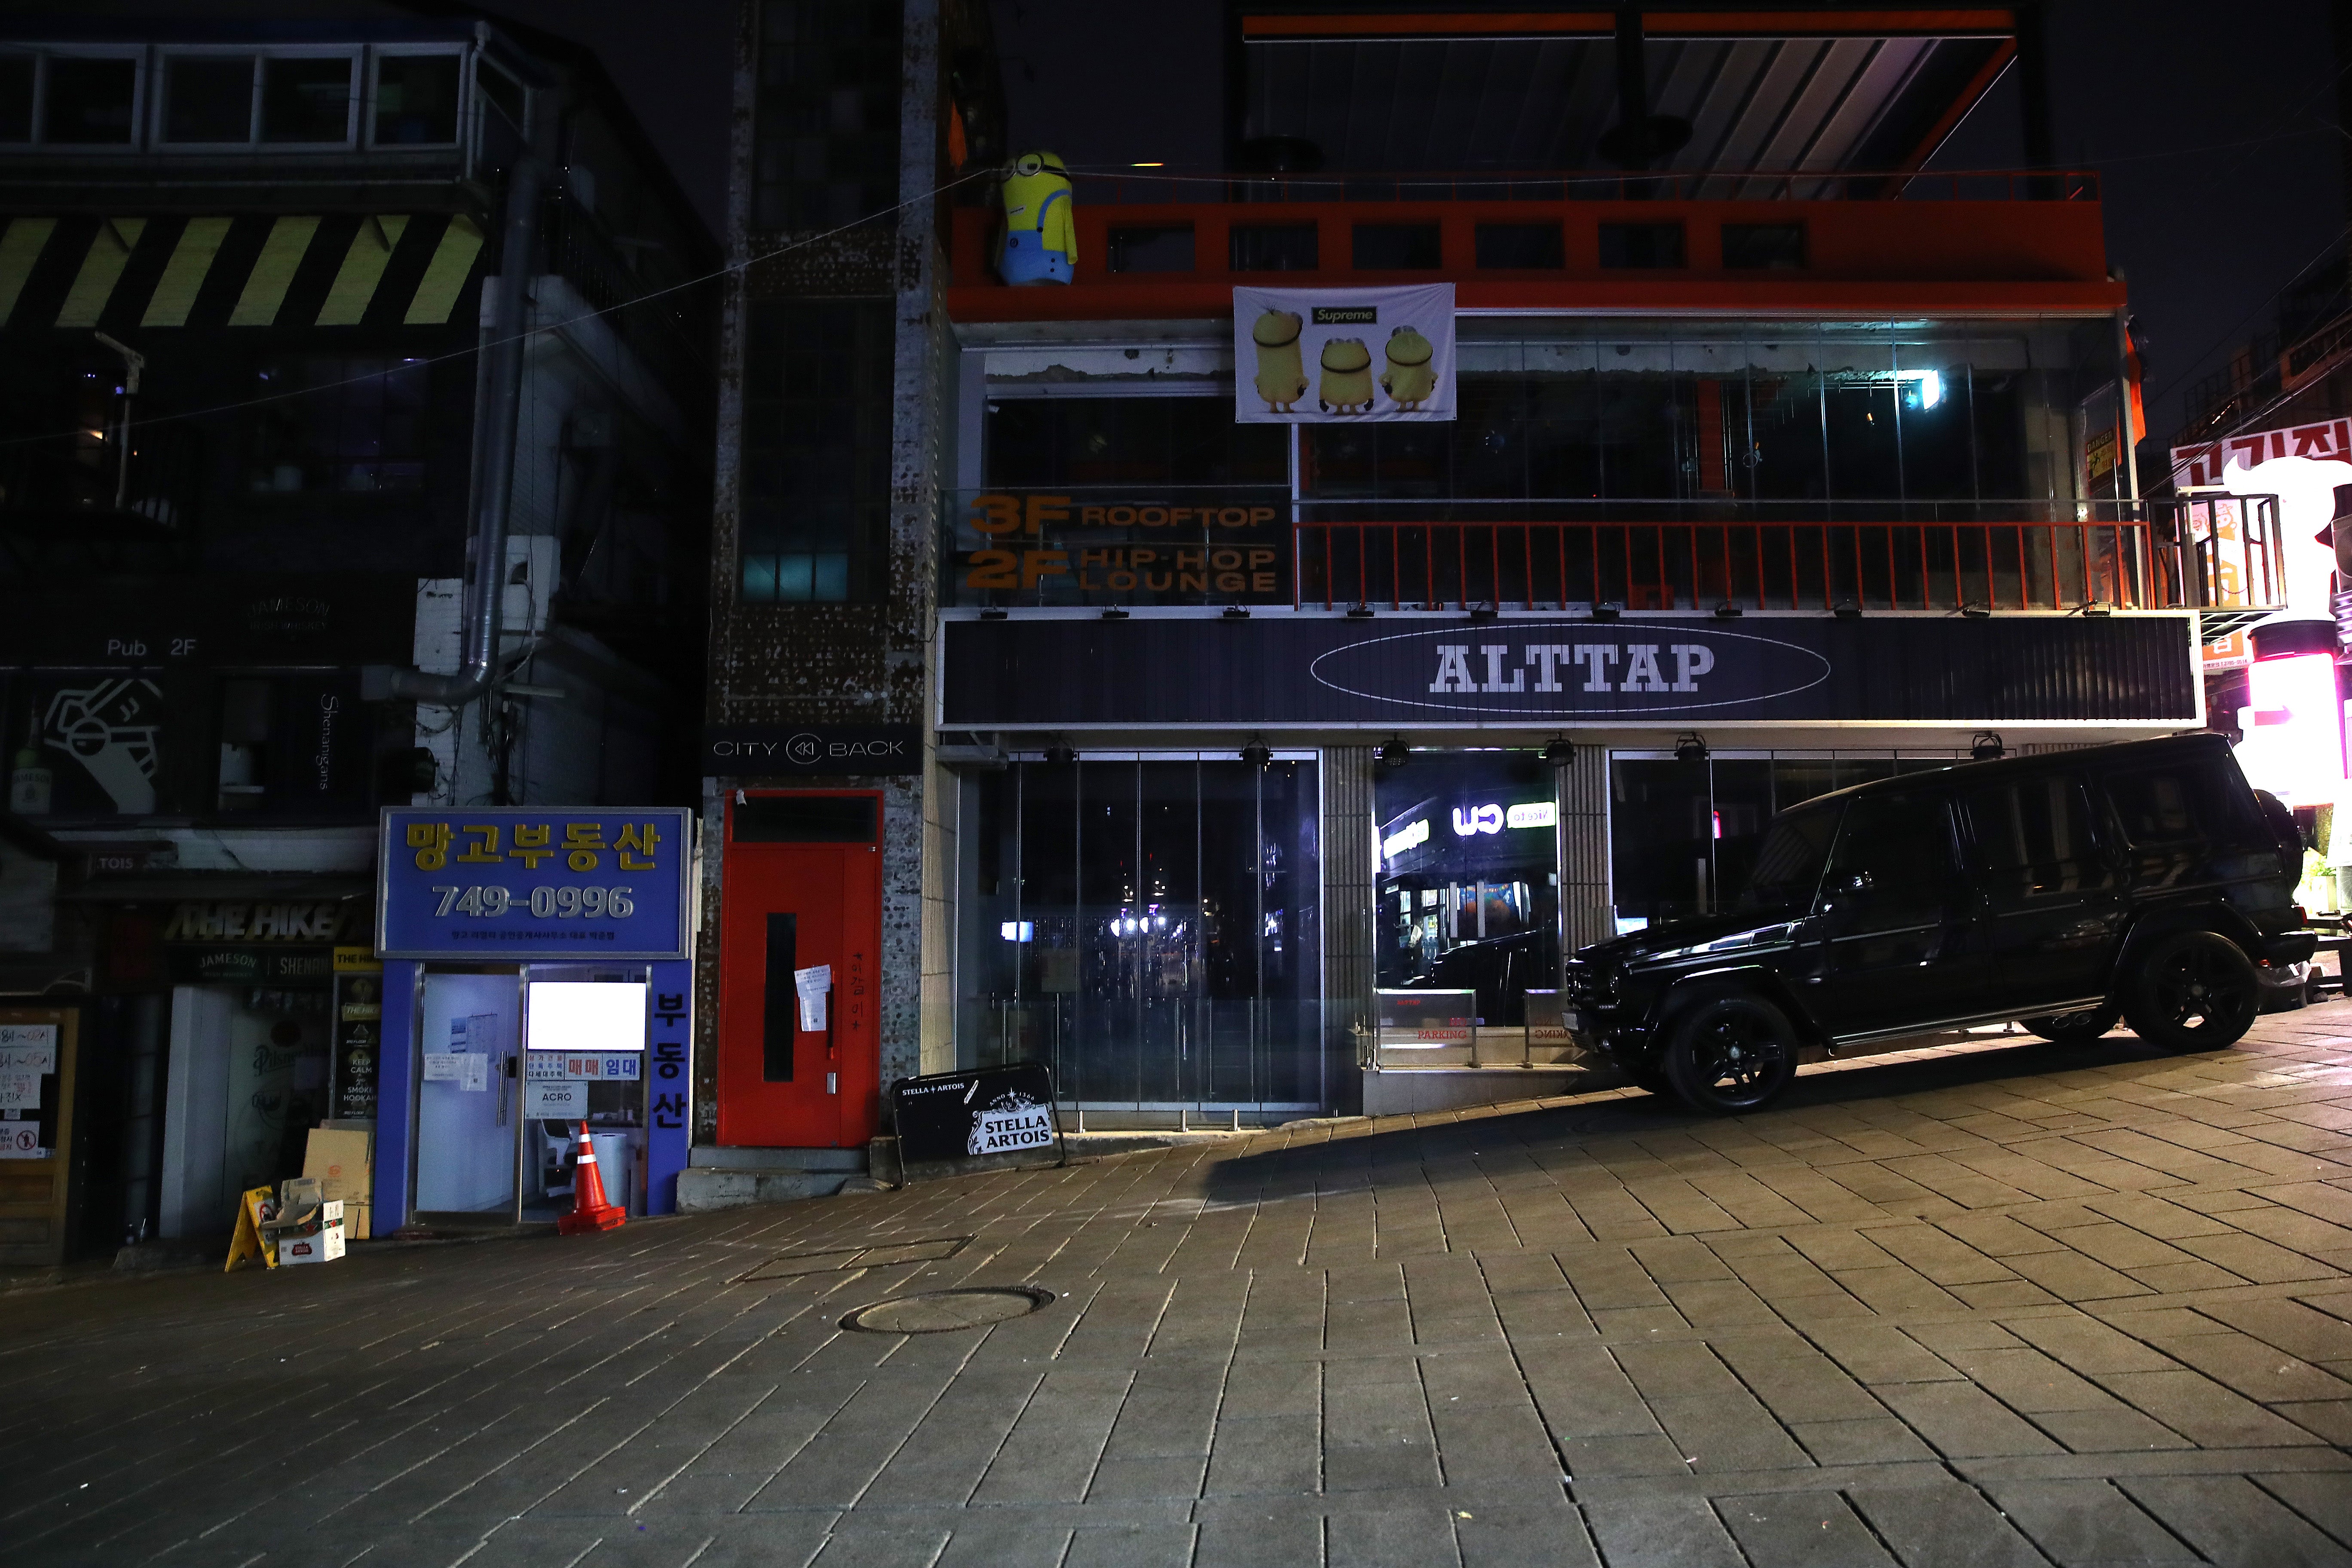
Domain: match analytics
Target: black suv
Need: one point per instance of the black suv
(2141, 881)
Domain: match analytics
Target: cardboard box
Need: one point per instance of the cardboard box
(323, 1248)
(344, 1162)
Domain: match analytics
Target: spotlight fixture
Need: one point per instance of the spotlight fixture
(1060, 754)
(1690, 747)
(1847, 609)
(1608, 609)
(992, 614)
(1257, 753)
(1976, 611)
(1361, 613)
(1115, 613)
(1729, 610)
(1484, 613)
(1395, 753)
(1237, 612)
(1986, 747)
(1560, 754)
(2098, 609)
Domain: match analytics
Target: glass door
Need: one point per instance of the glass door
(1148, 926)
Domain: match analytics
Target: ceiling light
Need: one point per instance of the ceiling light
(1690, 748)
(1237, 612)
(1986, 747)
(1728, 611)
(1560, 754)
(1847, 609)
(1257, 755)
(1060, 754)
(1608, 610)
(1361, 613)
(1115, 613)
(1395, 753)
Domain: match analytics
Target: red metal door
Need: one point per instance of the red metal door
(802, 889)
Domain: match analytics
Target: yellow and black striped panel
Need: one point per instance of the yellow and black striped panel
(341, 269)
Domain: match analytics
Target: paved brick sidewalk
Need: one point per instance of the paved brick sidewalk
(2003, 1306)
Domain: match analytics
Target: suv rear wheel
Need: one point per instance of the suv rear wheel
(2077, 1028)
(2192, 991)
(1731, 1052)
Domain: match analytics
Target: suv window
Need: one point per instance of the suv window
(1903, 843)
(2031, 823)
(2182, 804)
(1789, 864)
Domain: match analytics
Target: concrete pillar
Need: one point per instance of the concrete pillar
(1584, 902)
(1350, 881)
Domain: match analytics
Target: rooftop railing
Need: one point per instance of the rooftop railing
(2219, 555)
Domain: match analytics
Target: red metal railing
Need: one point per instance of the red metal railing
(2174, 555)
(1127, 187)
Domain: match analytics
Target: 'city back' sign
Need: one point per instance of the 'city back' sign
(1433, 671)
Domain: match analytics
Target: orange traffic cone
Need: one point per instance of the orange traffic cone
(590, 1212)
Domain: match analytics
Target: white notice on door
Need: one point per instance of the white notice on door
(441, 1067)
(812, 984)
(21, 1141)
(555, 1100)
(19, 1090)
(28, 1059)
(474, 1072)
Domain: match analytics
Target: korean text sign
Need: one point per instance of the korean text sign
(474, 882)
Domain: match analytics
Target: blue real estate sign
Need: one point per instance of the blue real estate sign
(520, 883)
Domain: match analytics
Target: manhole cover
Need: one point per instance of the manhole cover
(938, 1312)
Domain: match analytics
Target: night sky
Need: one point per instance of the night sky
(2213, 126)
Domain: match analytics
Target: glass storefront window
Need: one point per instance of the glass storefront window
(1468, 888)
(1925, 420)
(1148, 928)
(1684, 835)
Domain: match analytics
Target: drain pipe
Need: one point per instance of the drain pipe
(502, 402)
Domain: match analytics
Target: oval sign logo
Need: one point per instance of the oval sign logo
(1561, 669)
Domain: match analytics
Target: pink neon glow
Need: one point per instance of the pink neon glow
(2294, 729)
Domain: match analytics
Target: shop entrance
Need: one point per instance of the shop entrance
(514, 1062)
(800, 1060)
(1148, 928)
(1469, 879)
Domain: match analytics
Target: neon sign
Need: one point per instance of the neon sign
(1405, 838)
(1474, 819)
(1477, 819)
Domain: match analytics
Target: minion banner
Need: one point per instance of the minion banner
(1328, 356)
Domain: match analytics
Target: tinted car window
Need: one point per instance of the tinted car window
(2034, 822)
(1903, 843)
(1789, 864)
(2177, 805)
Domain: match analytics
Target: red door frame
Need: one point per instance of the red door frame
(834, 890)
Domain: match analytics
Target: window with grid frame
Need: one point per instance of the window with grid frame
(816, 501)
(825, 139)
(336, 424)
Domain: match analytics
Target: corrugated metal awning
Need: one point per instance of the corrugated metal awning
(254, 270)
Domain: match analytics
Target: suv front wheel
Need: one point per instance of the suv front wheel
(1731, 1052)
(2192, 991)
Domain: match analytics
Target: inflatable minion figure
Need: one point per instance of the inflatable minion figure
(1347, 377)
(1039, 242)
(1281, 374)
(1410, 380)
